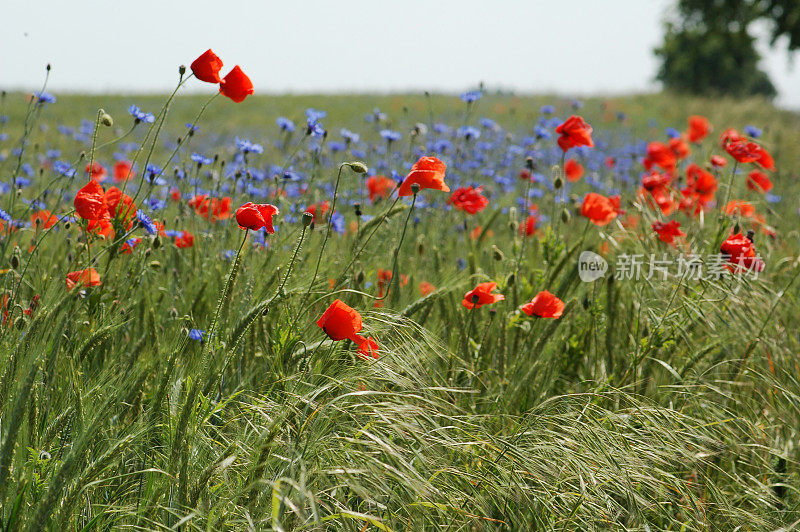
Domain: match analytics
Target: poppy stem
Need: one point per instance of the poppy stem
(397, 249)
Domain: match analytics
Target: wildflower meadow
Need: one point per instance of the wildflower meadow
(231, 311)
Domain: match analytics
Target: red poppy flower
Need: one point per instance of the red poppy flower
(126, 211)
(379, 187)
(252, 216)
(102, 227)
(85, 278)
(528, 227)
(573, 170)
(207, 66)
(236, 85)
(426, 288)
(745, 209)
(744, 151)
(123, 171)
(186, 240)
(129, 245)
(318, 208)
(661, 155)
(679, 148)
(699, 128)
(90, 203)
(43, 219)
(668, 232)
(599, 209)
(524, 174)
(367, 348)
(341, 322)
(740, 251)
(703, 184)
(175, 194)
(544, 305)
(96, 171)
(718, 161)
(765, 160)
(655, 180)
(759, 181)
(482, 295)
(728, 136)
(574, 132)
(428, 173)
(469, 199)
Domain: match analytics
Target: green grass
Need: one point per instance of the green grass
(669, 405)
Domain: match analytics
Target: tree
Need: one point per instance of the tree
(709, 50)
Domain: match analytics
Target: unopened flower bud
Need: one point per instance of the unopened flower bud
(497, 254)
(106, 119)
(558, 183)
(307, 219)
(510, 279)
(565, 215)
(529, 163)
(182, 70)
(357, 208)
(751, 235)
(358, 167)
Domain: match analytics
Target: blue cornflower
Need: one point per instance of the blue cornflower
(541, 132)
(314, 128)
(172, 233)
(5, 216)
(547, 109)
(349, 136)
(673, 133)
(337, 222)
(228, 254)
(245, 146)
(192, 127)
(375, 116)
(285, 124)
(199, 158)
(488, 123)
(44, 97)
(753, 131)
(315, 115)
(197, 334)
(155, 204)
(53, 154)
(772, 198)
(140, 115)
(390, 136)
(146, 222)
(471, 96)
(469, 132)
(576, 104)
(3, 136)
(64, 168)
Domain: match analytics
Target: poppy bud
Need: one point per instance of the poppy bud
(736, 228)
(529, 163)
(558, 183)
(359, 277)
(155, 265)
(750, 235)
(513, 225)
(182, 70)
(106, 119)
(48, 67)
(157, 242)
(510, 279)
(357, 167)
(497, 254)
(421, 245)
(565, 216)
(15, 258)
(173, 313)
(357, 207)
(512, 214)
(20, 323)
(415, 188)
(307, 219)
(586, 303)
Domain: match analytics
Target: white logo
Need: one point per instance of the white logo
(591, 266)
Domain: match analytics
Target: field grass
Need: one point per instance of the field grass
(651, 404)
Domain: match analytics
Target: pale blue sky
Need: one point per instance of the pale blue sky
(574, 47)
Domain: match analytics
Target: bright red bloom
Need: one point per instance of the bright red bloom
(85, 278)
(544, 305)
(43, 219)
(765, 160)
(123, 171)
(379, 187)
(426, 288)
(679, 148)
(428, 173)
(367, 348)
(120, 204)
(573, 170)
(90, 203)
(341, 322)
(318, 208)
(668, 232)
(718, 161)
(599, 209)
(186, 240)
(207, 66)
(740, 251)
(703, 184)
(129, 245)
(252, 216)
(745, 209)
(661, 155)
(96, 171)
(699, 128)
(728, 136)
(482, 295)
(574, 132)
(469, 199)
(102, 227)
(655, 180)
(759, 181)
(236, 85)
(175, 194)
(524, 174)
(744, 151)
